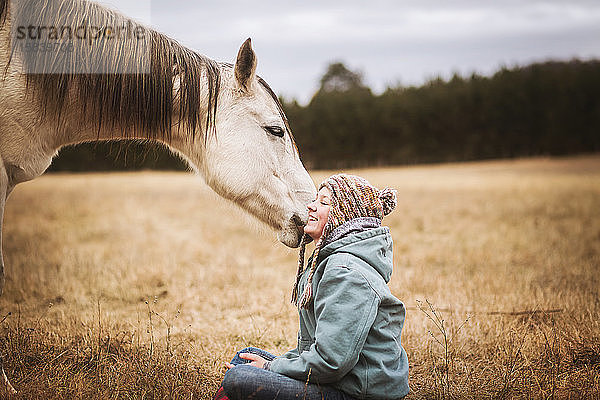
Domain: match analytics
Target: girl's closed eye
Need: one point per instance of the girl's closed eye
(318, 214)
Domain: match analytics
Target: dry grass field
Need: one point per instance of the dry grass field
(141, 285)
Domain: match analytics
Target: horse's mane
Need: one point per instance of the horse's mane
(126, 102)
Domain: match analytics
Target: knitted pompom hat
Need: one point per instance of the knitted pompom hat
(351, 197)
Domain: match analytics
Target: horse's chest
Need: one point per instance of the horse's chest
(22, 150)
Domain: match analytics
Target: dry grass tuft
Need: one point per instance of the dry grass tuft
(94, 364)
(140, 285)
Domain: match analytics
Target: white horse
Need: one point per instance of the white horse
(222, 119)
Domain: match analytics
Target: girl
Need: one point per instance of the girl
(350, 324)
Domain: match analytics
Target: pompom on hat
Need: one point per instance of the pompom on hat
(351, 197)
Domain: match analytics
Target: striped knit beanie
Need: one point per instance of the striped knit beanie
(351, 197)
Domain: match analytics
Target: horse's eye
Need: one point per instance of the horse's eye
(274, 130)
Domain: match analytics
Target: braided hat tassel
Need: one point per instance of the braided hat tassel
(306, 297)
(305, 240)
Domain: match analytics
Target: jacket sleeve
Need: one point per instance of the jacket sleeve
(345, 308)
(290, 354)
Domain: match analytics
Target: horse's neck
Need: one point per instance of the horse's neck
(102, 108)
(74, 128)
(180, 141)
(39, 119)
(41, 134)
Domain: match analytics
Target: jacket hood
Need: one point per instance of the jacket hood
(374, 246)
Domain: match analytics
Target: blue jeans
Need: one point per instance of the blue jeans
(247, 382)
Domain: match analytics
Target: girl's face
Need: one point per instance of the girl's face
(318, 211)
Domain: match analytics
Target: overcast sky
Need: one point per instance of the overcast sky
(390, 41)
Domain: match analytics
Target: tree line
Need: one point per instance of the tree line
(550, 108)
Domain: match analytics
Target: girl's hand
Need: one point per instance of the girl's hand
(256, 360)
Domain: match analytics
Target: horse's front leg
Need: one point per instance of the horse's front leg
(5, 188)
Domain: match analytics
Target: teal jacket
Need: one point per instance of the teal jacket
(349, 336)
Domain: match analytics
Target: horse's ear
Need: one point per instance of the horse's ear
(245, 65)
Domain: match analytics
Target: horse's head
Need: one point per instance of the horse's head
(252, 159)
